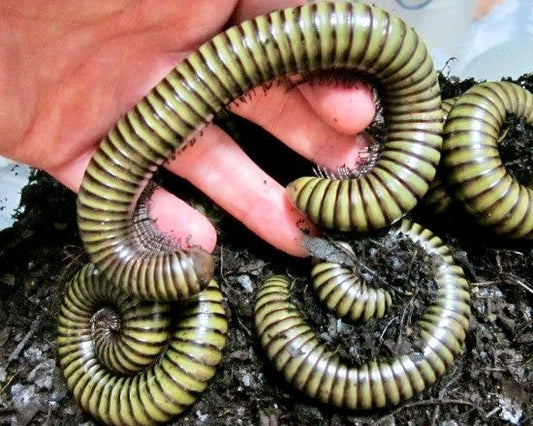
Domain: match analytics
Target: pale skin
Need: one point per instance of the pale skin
(70, 68)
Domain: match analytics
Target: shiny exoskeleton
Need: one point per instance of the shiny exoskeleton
(296, 351)
(124, 359)
(473, 166)
(299, 40)
(124, 378)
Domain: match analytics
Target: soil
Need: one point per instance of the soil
(490, 383)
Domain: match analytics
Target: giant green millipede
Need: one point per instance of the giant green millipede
(438, 198)
(301, 40)
(125, 360)
(474, 169)
(292, 346)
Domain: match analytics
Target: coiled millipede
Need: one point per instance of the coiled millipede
(297, 40)
(292, 346)
(125, 361)
(474, 169)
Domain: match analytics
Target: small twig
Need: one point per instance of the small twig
(439, 402)
(505, 278)
(6, 385)
(244, 327)
(386, 328)
(406, 312)
(492, 412)
(47, 421)
(495, 369)
(517, 252)
(484, 283)
(513, 279)
(442, 394)
(435, 415)
(413, 258)
(33, 328)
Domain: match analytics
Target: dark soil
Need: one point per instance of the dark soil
(490, 383)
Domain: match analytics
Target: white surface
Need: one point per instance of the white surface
(13, 177)
(501, 44)
(498, 45)
(442, 24)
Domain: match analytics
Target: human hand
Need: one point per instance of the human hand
(69, 71)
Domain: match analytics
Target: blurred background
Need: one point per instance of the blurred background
(484, 39)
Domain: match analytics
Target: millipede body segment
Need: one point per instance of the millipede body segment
(346, 294)
(295, 350)
(304, 40)
(474, 169)
(132, 362)
(437, 198)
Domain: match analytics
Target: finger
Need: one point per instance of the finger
(319, 122)
(218, 167)
(171, 216)
(247, 9)
(177, 219)
(347, 109)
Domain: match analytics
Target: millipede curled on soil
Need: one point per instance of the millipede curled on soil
(346, 294)
(305, 40)
(124, 359)
(473, 166)
(295, 350)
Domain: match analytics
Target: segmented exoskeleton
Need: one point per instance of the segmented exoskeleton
(437, 198)
(294, 349)
(346, 294)
(474, 169)
(125, 360)
(303, 40)
(298, 40)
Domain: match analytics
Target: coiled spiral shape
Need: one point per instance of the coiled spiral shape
(125, 360)
(344, 293)
(292, 346)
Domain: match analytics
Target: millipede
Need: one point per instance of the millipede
(466, 147)
(437, 198)
(344, 293)
(302, 40)
(124, 360)
(474, 168)
(296, 351)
